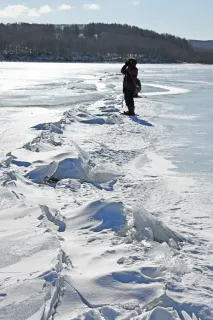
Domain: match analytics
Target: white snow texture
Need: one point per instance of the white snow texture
(95, 220)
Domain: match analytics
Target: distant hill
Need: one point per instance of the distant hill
(202, 44)
(99, 41)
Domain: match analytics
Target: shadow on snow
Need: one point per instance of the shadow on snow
(141, 121)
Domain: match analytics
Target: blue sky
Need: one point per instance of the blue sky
(191, 19)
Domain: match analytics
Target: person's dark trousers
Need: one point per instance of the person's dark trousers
(129, 99)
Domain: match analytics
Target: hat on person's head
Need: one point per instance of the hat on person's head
(133, 61)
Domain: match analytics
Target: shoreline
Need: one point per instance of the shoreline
(97, 62)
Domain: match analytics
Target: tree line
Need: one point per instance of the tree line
(94, 39)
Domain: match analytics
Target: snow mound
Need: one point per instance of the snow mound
(88, 118)
(98, 216)
(42, 173)
(96, 173)
(7, 199)
(134, 277)
(81, 168)
(111, 109)
(46, 141)
(69, 168)
(6, 163)
(180, 310)
(52, 127)
(153, 229)
(94, 120)
(159, 313)
(113, 120)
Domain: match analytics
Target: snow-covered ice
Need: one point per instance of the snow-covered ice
(104, 216)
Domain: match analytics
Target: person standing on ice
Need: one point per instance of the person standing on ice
(129, 85)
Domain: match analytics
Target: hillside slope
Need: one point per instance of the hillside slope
(98, 40)
(202, 44)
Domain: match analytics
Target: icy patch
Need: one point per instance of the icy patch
(55, 218)
(153, 229)
(153, 164)
(179, 116)
(160, 252)
(37, 315)
(84, 87)
(169, 90)
(72, 184)
(23, 301)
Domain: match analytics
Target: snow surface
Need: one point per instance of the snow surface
(96, 220)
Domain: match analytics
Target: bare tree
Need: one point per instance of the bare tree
(99, 40)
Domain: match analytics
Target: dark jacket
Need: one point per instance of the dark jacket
(130, 79)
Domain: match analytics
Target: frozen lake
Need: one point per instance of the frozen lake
(103, 216)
